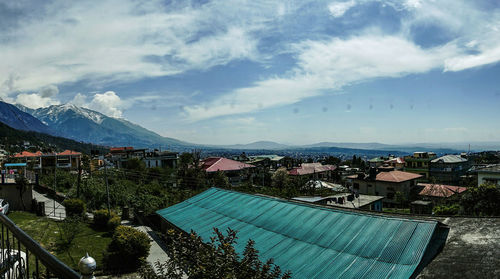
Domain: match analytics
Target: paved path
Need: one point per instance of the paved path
(59, 213)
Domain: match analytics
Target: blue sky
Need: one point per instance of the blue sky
(295, 72)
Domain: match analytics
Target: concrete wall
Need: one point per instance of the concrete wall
(488, 177)
(10, 193)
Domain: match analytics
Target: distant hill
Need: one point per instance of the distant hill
(267, 145)
(11, 136)
(86, 125)
(18, 119)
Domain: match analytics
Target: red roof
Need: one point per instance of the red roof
(24, 154)
(121, 148)
(310, 168)
(396, 176)
(213, 164)
(68, 153)
(440, 191)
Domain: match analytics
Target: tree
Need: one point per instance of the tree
(189, 255)
(481, 200)
(220, 180)
(280, 178)
(400, 198)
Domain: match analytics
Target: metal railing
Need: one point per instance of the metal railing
(23, 257)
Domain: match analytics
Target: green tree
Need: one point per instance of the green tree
(280, 178)
(481, 200)
(220, 180)
(216, 259)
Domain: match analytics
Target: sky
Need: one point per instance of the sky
(295, 72)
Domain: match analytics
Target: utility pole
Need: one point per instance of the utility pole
(107, 186)
(79, 178)
(55, 183)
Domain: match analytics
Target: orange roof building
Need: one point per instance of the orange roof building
(440, 190)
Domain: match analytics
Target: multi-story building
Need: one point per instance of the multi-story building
(490, 174)
(385, 183)
(119, 157)
(448, 169)
(419, 163)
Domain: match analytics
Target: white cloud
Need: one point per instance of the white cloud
(327, 65)
(107, 103)
(338, 9)
(115, 40)
(43, 98)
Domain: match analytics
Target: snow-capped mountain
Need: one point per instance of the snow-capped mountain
(21, 120)
(86, 125)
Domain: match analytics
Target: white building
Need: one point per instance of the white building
(489, 174)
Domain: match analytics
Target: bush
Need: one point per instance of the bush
(101, 218)
(74, 207)
(127, 251)
(114, 222)
(446, 210)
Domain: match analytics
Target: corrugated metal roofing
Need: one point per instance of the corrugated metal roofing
(310, 241)
(449, 159)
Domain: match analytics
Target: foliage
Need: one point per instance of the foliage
(69, 228)
(483, 200)
(102, 217)
(74, 207)
(400, 199)
(12, 137)
(452, 209)
(280, 178)
(191, 175)
(47, 232)
(127, 250)
(189, 255)
(220, 180)
(114, 222)
(65, 180)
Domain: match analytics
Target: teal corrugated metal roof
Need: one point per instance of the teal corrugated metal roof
(310, 241)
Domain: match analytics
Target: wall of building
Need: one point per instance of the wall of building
(490, 177)
(381, 188)
(10, 193)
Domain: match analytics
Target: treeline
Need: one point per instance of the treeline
(14, 139)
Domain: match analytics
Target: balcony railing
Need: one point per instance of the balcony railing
(23, 257)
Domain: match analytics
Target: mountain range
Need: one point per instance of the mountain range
(85, 125)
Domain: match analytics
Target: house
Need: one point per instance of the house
(312, 241)
(347, 200)
(161, 159)
(384, 183)
(270, 161)
(397, 163)
(439, 191)
(119, 157)
(449, 168)
(315, 171)
(419, 163)
(376, 162)
(235, 171)
(490, 174)
(67, 159)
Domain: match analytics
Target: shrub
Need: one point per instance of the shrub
(446, 210)
(127, 251)
(74, 207)
(114, 222)
(101, 218)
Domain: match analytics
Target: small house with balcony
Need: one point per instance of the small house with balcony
(448, 169)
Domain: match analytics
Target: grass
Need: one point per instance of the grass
(396, 210)
(48, 233)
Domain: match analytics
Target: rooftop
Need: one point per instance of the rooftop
(390, 176)
(310, 168)
(361, 201)
(311, 241)
(439, 190)
(449, 159)
(495, 169)
(213, 164)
